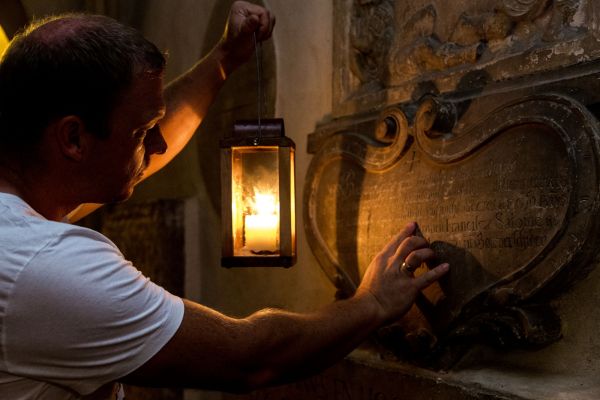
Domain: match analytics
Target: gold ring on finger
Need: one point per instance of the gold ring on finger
(407, 267)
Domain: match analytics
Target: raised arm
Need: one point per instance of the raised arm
(213, 351)
(189, 96)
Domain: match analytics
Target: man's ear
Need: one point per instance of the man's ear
(72, 137)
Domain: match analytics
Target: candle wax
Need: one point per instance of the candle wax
(261, 232)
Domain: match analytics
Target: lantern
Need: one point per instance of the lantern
(257, 188)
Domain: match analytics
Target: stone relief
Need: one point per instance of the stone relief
(560, 26)
(418, 50)
(440, 112)
(371, 32)
(516, 223)
(387, 52)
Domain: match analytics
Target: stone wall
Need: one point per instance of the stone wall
(429, 85)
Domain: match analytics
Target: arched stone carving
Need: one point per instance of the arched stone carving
(510, 198)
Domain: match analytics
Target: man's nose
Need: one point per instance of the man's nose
(155, 142)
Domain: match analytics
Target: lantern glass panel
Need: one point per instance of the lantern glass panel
(255, 204)
(293, 200)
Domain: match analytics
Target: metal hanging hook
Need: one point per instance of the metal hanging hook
(258, 52)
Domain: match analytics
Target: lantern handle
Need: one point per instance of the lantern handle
(258, 52)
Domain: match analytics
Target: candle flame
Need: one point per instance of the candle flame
(263, 203)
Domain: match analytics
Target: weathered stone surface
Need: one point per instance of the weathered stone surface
(389, 47)
(473, 119)
(507, 194)
(355, 379)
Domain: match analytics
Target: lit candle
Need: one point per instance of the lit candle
(261, 232)
(261, 227)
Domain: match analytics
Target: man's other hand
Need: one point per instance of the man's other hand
(237, 43)
(389, 280)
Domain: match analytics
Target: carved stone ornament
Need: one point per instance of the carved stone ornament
(371, 32)
(508, 196)
(415, 46)
(387, 48)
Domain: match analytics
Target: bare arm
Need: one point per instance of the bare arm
(213, 351)
(190, 95)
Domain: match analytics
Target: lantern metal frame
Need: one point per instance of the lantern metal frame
(259, 134)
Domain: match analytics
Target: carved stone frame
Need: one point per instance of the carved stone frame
(447, 130)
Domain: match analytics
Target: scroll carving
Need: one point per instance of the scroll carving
(511, 200)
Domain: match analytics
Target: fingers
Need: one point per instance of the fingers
(250, 24)
(411, 252)
(417, 257)
(393, 245)
(396, 287)
(409, 245)
(426, 279)
(267, 22)
(256, 19)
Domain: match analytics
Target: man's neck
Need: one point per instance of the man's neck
(39, 195)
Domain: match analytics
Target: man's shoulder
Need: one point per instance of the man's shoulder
(31, 233)
(17, 215)
(27, 240)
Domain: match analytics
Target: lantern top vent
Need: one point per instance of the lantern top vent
(252, 132)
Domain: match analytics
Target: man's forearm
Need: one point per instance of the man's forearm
(213, 351)
(289, 346)
(187, 99)
(216, 352)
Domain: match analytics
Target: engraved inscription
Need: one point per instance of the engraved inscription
(507, 201)
(508, 196)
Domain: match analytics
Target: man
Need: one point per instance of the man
(83, 118)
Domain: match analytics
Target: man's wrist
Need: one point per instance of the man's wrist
(225, 63)
(372, 305)
(220, 61)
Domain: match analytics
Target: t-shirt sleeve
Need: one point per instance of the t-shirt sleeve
(80, 315)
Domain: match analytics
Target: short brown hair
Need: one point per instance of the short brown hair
(70, 64)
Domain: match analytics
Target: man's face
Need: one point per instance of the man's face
(119, 161)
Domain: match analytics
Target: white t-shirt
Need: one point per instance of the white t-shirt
(74, 314)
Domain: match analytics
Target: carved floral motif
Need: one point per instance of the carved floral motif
(560, 27)
(371, 32)
(385, 53)
(524, 9)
